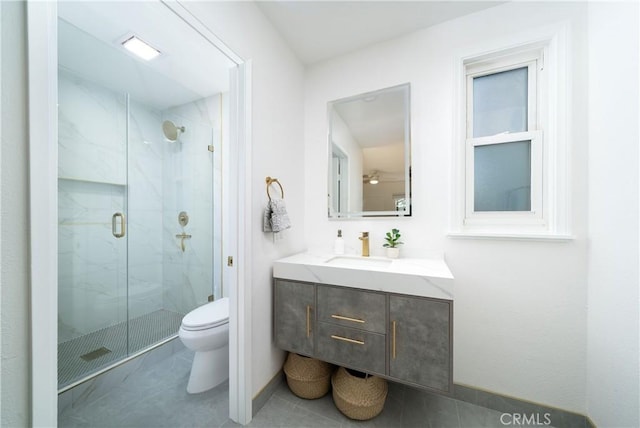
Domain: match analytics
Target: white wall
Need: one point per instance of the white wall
(277, 151)
(344, 140)
(613, 320)
(14, 302)
(520, 307)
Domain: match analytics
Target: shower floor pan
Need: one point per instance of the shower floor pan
(79, 357)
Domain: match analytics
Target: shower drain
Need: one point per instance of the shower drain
(90, 356)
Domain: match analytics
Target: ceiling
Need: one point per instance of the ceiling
(91, 32)
(318, 30)
(190, 67)
(377, 118)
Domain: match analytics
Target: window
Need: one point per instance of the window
(509, 180)
(504, 140)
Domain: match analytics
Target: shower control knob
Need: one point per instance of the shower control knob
(183, 218)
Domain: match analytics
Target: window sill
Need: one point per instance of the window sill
(512, 236)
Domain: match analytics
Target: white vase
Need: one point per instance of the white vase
(393, 253)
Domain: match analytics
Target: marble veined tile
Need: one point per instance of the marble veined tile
(145, 238)
(88, 202)
(205, 110)
(144, 294)
(145, 189)
(91, 131)
(145, 124)
(87, 310)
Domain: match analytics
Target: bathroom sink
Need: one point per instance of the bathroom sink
(358, 262)
(426, 277)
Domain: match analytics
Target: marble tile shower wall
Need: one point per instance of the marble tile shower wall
(193, 185)
(146, 154)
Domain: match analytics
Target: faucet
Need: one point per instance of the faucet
(365, 244)
(182, 237)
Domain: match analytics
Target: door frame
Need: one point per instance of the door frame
(43, 198)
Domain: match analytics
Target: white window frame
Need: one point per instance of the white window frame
(533, 60)
(507, 217)
(548, 115)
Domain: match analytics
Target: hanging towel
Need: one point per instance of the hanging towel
(275, 218)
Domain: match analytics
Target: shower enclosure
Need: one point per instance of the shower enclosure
(139, 210)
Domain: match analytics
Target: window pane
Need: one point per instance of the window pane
(500, 102)
(502, 177)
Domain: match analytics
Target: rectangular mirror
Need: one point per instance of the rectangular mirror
(370, 154)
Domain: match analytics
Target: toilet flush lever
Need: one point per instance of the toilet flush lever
(182, 237)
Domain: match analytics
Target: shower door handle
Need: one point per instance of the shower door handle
(114, 225)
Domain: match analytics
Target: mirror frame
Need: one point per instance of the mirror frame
(406, 212)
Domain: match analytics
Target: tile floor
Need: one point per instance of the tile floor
(152, 396)
(405, 407)
(121, 339)
(156, 396)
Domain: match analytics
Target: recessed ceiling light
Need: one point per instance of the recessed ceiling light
(373, 180)
(140, 48)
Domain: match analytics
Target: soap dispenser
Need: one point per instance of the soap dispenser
(338, 247)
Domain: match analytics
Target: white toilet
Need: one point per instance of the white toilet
(205, 330)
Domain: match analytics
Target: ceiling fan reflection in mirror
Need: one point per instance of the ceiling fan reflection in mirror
(377, 176)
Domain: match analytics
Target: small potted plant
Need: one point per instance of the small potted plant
(393, 240)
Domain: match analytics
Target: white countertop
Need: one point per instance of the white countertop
(412, 276)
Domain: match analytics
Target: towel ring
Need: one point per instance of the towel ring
(270, 181)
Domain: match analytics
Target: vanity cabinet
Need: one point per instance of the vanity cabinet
(403, 338)
(420, 341)
(294, 316)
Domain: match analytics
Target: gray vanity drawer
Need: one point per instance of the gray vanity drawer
(351, 347)
(352, 308)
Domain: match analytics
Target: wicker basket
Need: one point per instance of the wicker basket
(307, 377)
(360, 398)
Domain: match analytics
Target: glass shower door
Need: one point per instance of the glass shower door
(129, 269)
(92, 226)
(153, 224)
(190, 262)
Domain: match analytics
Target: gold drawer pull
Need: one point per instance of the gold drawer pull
(346, 339)
(308, 320)
(340, 317)
(393, 340)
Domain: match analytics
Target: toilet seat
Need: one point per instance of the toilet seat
(207, 316)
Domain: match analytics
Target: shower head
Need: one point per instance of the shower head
(171, 131)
